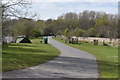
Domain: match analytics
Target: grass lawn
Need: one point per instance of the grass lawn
(19, 55)
(107, 57)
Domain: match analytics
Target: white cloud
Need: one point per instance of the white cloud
(55, 9)
(75, 0)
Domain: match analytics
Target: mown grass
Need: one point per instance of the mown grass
(107, 57)
(18, 56)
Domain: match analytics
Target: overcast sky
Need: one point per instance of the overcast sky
(54, 8)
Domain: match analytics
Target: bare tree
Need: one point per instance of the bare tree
(13, 9)
(0, 25)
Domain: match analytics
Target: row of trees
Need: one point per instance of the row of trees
(84, 24)
(90, 23)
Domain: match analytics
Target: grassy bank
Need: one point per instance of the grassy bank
(18, 56)
(107, 57)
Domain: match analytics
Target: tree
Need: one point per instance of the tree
(85, 24)
(36, 33)
(79, 33)
(47, 31)
(90, 32)
(66, 32)
(101, 27)
(13, 9)
(0, 23)
(95, 24)
(24, 27)
(40, 26)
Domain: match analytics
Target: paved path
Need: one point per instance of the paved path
(72, 63)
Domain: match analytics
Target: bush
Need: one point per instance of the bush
(36, 33)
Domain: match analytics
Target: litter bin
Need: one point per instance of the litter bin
(46, 40)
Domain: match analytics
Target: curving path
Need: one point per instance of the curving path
(72, 63)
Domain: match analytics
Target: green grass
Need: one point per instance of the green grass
(107, 57)
(19, 56)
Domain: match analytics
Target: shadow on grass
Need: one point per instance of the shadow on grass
(21, 61)
(21, 49)
(25, 44)
(19, 56)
